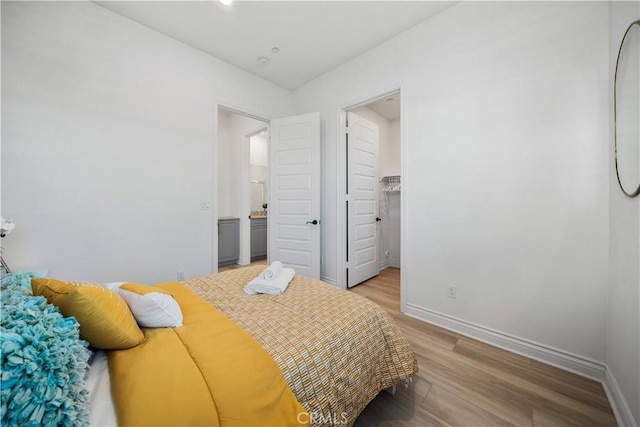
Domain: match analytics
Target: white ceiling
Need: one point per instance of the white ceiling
(313, 36)
(388, 106)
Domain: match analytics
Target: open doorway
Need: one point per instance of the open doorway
(373, 187)
(243, 188)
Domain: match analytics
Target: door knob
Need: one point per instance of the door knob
(378, 219)
(314, 222)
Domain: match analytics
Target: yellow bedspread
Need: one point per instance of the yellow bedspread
(207, 372)
(336, 349)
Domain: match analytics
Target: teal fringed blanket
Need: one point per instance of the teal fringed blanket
(43, 360)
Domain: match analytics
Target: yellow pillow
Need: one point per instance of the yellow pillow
(105, 319)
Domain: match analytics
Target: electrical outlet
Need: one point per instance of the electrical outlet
(452, 291)
(180, 275)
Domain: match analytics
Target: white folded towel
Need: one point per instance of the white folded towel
(272, 287)
(272, 271)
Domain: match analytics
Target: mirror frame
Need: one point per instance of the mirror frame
(615, 112)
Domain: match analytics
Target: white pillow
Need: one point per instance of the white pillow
(153, 310)
(113, 286)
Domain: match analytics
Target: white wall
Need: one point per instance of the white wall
(623, 327)
(107, 143)
(391, 165)
(505, 108)
(259, 153)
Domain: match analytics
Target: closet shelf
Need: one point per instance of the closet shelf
(391, 183)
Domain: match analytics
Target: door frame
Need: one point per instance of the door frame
(341, 183)
(217, 105)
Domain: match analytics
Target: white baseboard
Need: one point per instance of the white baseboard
(394, 263)
(383, 264)
(328, 280)
(561, 359)
(621, 409)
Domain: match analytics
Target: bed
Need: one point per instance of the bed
(333, 351)
(349, 345)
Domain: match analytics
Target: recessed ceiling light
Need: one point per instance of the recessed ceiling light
(275, 49)
(263, 60)
(226, 2)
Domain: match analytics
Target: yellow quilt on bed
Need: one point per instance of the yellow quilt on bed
(336, 349)
(208, 372)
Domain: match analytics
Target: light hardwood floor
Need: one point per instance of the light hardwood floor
(464, 382)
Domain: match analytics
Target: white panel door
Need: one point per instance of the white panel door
(362, 208)
(294, 208)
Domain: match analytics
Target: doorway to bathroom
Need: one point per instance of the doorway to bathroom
(291, 189)
(243, 188)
